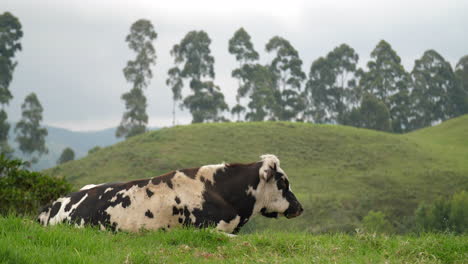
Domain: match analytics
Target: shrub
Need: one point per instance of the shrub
(444, 215)
(376, 222)
(23, 191)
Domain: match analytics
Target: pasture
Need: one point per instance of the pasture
(25, 241)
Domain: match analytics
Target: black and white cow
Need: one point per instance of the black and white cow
(225, 196)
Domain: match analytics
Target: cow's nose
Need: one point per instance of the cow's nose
(301, 209)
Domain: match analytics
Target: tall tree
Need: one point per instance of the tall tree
(194, 62)
(461, 97)
(289, 78)
(241, 46)
(30, 135)
(388, 81)
(331, 89)
(10, 35)
(67, 155)
(175, 82)
(435, 85)
(260, 87)
(138, 72)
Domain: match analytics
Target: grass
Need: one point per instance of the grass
(24, 241)
(339, 173)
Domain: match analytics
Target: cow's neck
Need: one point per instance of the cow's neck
(233, 185)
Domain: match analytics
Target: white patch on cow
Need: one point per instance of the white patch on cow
(208, 172)
(108, 189)
(89, 186)
(132, 218)
(269, 161)
(228, 227)
(44, 216)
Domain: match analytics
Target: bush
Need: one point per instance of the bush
(25, 192)
(376, 222)
(444, 215)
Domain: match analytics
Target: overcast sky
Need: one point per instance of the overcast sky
(74, 50)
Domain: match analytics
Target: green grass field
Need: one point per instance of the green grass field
(339, 173)
(25, 241)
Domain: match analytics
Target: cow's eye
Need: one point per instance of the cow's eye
(282, 184)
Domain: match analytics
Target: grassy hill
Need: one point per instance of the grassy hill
(339, 173)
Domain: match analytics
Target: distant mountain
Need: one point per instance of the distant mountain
(59, 138)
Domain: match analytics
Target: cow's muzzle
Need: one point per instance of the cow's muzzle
(292, 212)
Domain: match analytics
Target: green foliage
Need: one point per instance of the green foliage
(67, 155)
(24, 241)
(434, 90)
(25, 192)
(461, 95)
(258, 84)
(4, 129)
(331, 87)
(10, 35)
(372, 114)
(30, 135)
(287, 69)
(444, 215)
(135, 119)
(377, 222)
(388, 81)
(138, 72)
(206, 103)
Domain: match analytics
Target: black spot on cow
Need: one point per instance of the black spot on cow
(149, 192)
(175, 210)
(55, 208)
(74, 198)
(149, 214)
(181, 220)
(202, 179)
(177, 200)
(191, 173)
(269, 215)
(166, 178)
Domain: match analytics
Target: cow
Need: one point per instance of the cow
(224, 196)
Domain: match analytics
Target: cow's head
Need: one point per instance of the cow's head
(277, 196)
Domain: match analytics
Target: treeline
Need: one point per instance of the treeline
(383, 97)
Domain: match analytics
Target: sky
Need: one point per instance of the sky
(74, 51)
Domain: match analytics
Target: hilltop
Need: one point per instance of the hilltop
(339, 173)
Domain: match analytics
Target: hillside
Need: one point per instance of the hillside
(339, 173)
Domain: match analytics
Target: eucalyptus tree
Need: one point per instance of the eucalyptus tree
(195, 63)
(138, 72)
(461, 97)
(331, 89)
(241, 46)
(29, 133)
(435, 90)
(10, 36)
(287, 68)
(388, 81)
